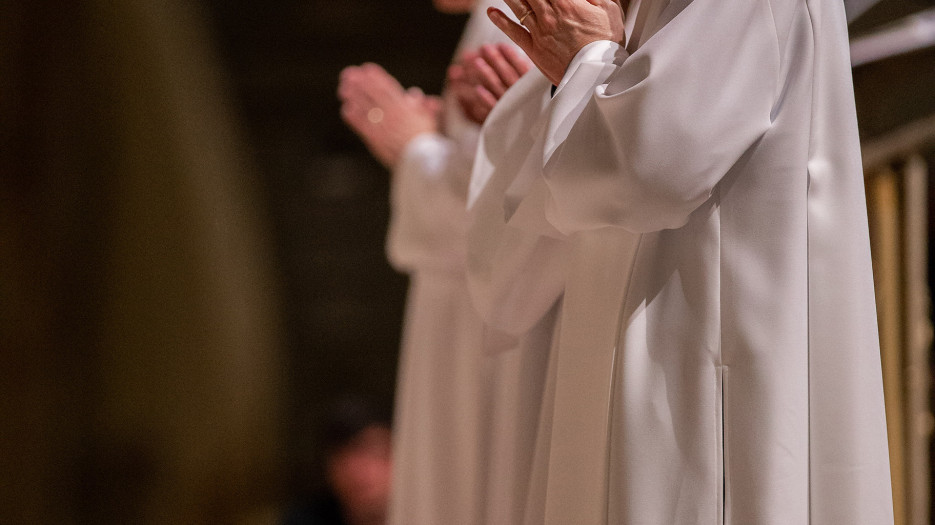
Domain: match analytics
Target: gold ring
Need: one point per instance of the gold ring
(375, 115)
(523, 18)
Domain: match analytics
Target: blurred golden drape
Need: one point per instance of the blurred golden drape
(138, 311)
(897, 197)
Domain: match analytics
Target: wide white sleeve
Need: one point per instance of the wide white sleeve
(428, 216)
(642, 145)
(428, 193)
(514, 276)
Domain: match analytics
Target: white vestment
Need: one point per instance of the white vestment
(718, 359)
(459, 445)
(516, 280)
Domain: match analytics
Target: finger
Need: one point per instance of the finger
(347, 80)
(477, 113)
(370, 72)
(350, 90)
(518, 61)
(501, 66)
(455, 73)
(354, 118)
(474, 106)
(486, 97)
(469, 111)
(514, 31)
(467, 57)
(472, 72)
(373, 69)
(353, 108)
(462, 91)
(341, 91)
(348, 72)
(480, 115)
(357, 84)
(416, 94)
(465, 97)
(540, 6)
(374, 93)
(385, 81)
(520, 8)
(360, 113)
(358, 95)
(488, 77)
(384, 88)
(527, 16)
(361, 122)
(375, 79)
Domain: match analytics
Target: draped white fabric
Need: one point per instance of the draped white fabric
(467, 395)
(718, 358)
(516, 282)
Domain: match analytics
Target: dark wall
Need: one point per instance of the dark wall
(326, 195)
(895, 91)
(139, 352)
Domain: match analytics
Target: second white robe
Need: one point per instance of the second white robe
(462, 439)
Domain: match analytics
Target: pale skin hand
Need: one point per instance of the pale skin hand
(555, 30)
(481, 77)
(384, 115)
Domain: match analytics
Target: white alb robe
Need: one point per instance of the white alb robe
(718, 359)
(516, 280)
(460, 446)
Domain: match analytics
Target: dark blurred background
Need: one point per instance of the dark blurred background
(191, 243)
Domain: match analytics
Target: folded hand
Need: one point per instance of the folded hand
(553, 31)
(481, 77)
(382, 113)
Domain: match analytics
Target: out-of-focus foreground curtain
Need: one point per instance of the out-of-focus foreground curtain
(893, 53)
(139, 353)
(897, 197)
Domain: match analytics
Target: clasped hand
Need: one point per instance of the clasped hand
(481, 77)
(383, 114)
(553, 31)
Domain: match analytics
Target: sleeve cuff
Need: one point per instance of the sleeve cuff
(427, 154)
(603, 51)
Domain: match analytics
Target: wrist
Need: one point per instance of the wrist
(602, 51)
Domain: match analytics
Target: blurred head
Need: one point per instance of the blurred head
(358, 462)
(453, 6)
(359, 474)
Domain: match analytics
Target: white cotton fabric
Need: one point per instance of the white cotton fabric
(467, 396)
(516, 282)
(717, 358)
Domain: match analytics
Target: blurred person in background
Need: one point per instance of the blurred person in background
(358, 463)
(468, 396)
